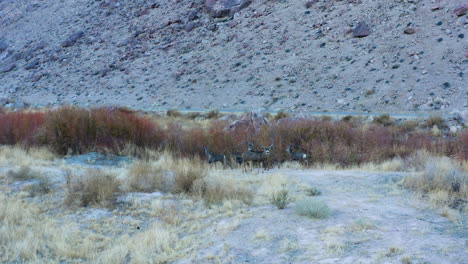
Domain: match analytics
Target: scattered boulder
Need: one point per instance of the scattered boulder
(310, 3)
(224, 8)
(461, 10)
(190, 26)
(361, 30)
(72, 39)
(409, 31)
(3, 45)
(4, 101)
(248, 121)
(32, 65)
(8, 67)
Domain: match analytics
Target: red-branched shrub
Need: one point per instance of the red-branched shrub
(19, 127)
(79, 130)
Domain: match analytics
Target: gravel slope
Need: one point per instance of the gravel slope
(272, 54)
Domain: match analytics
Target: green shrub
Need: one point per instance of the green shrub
(313, 208)
(280, 198)
(313, 191)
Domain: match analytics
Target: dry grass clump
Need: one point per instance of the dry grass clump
(280, 115)
(280, 198)
(214, 114)
(312, 191)
(145, 176)
(40, 184)
(439, 174)
(186, 172)
(410, 125)
(444, 180)
(23, 173)
(173, 113)
(216, 189)
(27, 235)
(17, 155)
(384, 120)
(436, 121)
(313, 208)
(94, 188)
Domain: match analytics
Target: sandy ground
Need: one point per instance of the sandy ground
(372, 220)
(370, 216)
(271, 55)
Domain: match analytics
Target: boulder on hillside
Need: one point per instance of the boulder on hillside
(72, 39)
(361, 30)
(224, 8)
(248, 121)
(461, 10)
(3, 45)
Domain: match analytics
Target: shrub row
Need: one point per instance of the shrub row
(77, 130)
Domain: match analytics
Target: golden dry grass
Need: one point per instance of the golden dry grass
(94, 188)
(27, 234)
(17, 155)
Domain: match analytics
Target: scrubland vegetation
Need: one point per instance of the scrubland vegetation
(71, 130)
(169, 203)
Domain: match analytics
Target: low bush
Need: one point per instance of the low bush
(384, 120)
(94, 188)
(173, 113)
(145, 176)
(280, 198)
(214, 114)
(436, 121)
(20, 127)
(280, 115)
(186, 173)
(410, 125)
(439, 174)
(313, 191)
(23, 173)
(215, 190)
(77, 130)
(313, 208)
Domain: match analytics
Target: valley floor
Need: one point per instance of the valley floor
(373, 220)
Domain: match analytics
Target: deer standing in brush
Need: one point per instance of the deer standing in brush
(252, 156)
(214, 157)
(297, 156)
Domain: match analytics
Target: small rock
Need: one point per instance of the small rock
(4, 101)
(33, 64)
(72, 39)
(3, 45)
(361, 30)
(225, 8)
(453, 130)
(310, 3)
(409, 31)
(189, 26)
(461, 10)
(8, 67)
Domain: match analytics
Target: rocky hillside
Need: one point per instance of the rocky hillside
(341, 55)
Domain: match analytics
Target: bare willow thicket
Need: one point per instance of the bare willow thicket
(347, 142)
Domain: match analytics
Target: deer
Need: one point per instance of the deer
(214, 157)
(252, 156)
(297, 156)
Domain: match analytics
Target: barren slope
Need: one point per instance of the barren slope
(272, 54)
